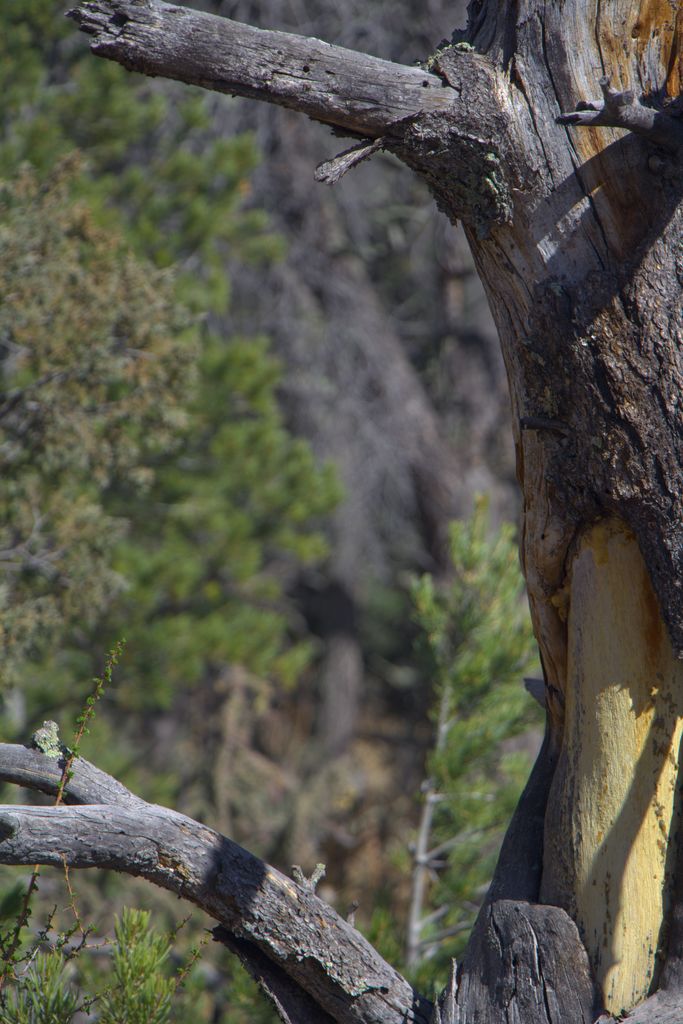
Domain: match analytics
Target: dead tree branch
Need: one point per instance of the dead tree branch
(313, 965)
(353, 91)
(448, 116)
(284, 924)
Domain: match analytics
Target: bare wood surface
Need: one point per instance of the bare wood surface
(341, 87)
(614, 879)
(307, 941)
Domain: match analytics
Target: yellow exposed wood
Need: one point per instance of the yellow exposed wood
(614, 800)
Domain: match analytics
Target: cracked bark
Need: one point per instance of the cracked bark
(577, 232)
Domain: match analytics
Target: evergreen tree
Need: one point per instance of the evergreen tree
(173, 505)
(228, 499)
(150, 486)
(476, 633)
(95, 354)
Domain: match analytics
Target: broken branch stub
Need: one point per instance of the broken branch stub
(664, 127)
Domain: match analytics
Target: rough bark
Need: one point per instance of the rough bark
(358, 94)
(307, 956)
(577, 231)
(590, 319)
(524, 963)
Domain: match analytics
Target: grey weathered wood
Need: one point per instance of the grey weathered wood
(525, 963)
(308, 943)
(446, 111)
(661, 1008)
(341, 87)
(28, 767)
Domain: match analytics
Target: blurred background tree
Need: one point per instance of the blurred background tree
(238, 460)
(218, 515)
(478, 639)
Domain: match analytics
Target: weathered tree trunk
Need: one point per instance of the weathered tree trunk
(576, 230)
(585, 284)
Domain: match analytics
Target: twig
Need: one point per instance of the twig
(421, 856)
(184, 969)
(46, 739)
(24, 914)
(88, 713)
(623, 110)
(72, 900)
(311, 883)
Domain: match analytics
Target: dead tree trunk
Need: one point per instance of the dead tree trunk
(573, 209)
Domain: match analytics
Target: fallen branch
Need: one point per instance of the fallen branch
(272, 919)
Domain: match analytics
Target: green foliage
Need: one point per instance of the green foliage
(95, 353)
(138, 986)
(11, 902)
(477, 636)
(149, 484)
(186, 549)
(45, 996)
(138, 993)
(232, 520)
(385, 933)
(182, 192)
(132, 979)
